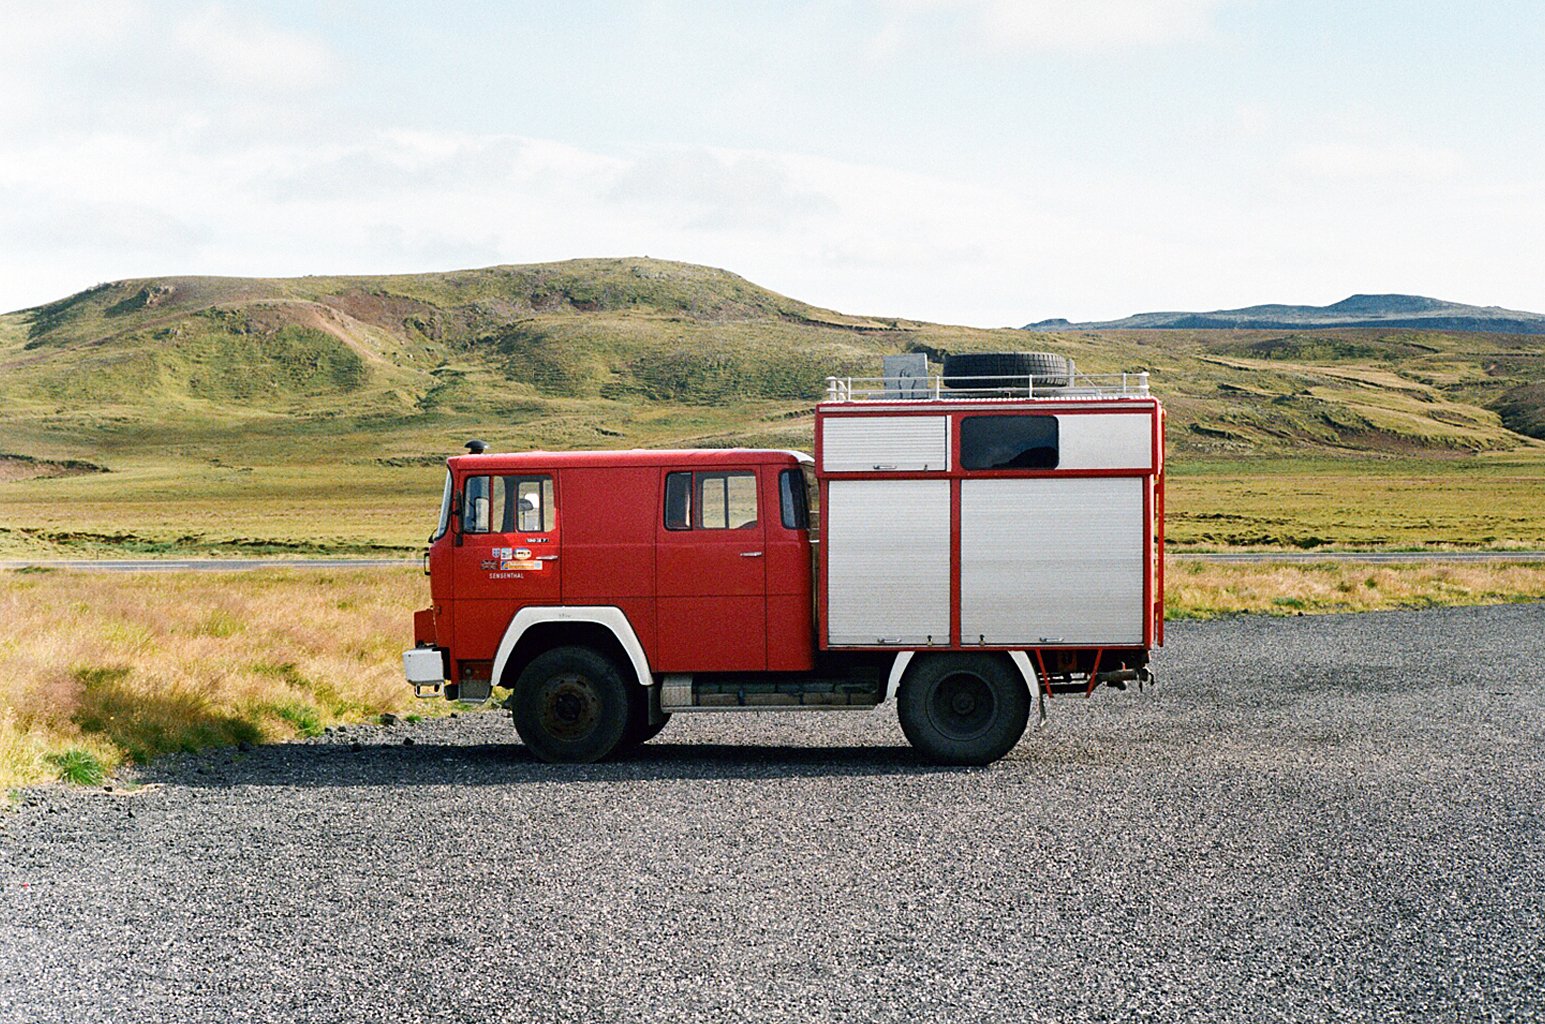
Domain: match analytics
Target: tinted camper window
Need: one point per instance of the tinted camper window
(1008, 442)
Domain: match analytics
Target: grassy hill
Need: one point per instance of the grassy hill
(310, 414)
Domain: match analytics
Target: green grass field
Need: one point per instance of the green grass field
(1484, 502)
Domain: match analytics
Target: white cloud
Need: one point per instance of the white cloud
(70, 66)
(27, 26)
(1077, 25)
(1377, 161)
(715, 190)
(250, 54)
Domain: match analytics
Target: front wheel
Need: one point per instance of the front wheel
(571, 705)
(639, 730)
(967, 709)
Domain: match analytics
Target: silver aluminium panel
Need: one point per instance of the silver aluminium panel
(1112, 440)
(867, 444)
(888, 562)
(1052, 561)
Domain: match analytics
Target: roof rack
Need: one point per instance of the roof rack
(997, 387)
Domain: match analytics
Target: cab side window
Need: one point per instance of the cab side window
(721, 500)
(508, 504)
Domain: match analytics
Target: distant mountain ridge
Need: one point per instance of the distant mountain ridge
(1415, 311)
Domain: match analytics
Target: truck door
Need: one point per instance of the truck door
(711, 576)
(505, 558)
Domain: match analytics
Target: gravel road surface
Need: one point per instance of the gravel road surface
(1321, 819)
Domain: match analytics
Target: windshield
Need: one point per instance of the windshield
(445, 511)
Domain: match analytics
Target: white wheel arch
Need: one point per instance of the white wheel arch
(1020, 659)
(614, 619)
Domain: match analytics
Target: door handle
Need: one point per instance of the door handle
(546, 558)
(750, 554)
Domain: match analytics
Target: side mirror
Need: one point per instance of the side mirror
(480, 515)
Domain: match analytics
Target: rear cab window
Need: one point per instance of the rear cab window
(799, 498)
(717, 500)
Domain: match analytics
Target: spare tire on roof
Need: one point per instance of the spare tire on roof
(1006, 370)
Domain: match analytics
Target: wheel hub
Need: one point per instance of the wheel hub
(570, 708)
(963, 705)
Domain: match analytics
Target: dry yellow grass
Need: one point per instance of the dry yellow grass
(122, 668)
(103, 669)
(1204, 590)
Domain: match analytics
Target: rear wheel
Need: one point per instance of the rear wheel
(963, 708)
(571, 705)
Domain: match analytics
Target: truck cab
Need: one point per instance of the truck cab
(960, 553)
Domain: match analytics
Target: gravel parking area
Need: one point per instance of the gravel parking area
(1322, 818)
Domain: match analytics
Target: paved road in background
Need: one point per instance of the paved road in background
(1327, 818)
(208, 564)
(234, 564)
(1361, 556)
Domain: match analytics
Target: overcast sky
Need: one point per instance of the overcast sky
(988, 162)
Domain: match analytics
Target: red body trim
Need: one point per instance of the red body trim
(1040, 663)
(955, 562)
(1159, 516)
(1094, 670)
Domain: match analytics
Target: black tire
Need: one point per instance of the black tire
(1006, 370)
(963, 708)
(639, 731)
(571, 705)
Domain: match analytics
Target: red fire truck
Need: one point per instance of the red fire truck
(957, 545)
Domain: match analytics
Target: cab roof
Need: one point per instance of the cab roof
(685, 457)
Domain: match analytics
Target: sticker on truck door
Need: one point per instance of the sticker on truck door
(507, 559)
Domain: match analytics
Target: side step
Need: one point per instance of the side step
(764, 692)
(468, 691)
